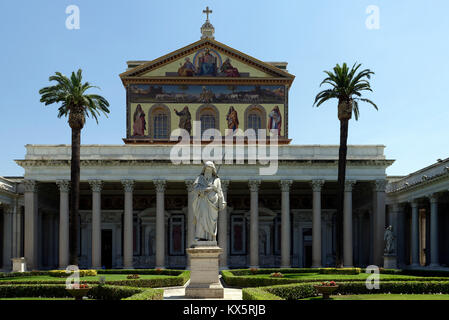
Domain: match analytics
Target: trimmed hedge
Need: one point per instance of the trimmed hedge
(96, 292)
(258, 294)
(305, 290)
(339, 270)
(179, 278)
(243, 278)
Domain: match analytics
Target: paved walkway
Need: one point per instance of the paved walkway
(178, 293)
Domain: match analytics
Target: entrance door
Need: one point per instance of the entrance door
(307, 249)
(106, 248)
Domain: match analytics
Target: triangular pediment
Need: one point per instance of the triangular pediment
(206, 58)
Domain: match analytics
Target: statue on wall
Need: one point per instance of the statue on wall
(275, 120)
(185, 119)
(139, 124)
(208, 200)
(232, 119)
(389, 240)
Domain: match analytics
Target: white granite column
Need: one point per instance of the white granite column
(64, 187)
(128, 186)
(285, 223)
(415, 233)
(434, 259)
(160, 223)
(8, 211)
(347, 224)
(31, 237)
(254, 224)
(96, 186)
(379, 225)
(316, 223)
(223, 228)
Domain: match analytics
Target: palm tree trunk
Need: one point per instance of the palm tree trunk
(341, 189)
(74, 195)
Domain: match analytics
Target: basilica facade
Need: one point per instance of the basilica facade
(136, 202)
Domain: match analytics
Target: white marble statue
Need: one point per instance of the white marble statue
(389, 240)
(208, 200)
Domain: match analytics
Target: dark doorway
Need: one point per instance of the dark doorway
(307, 250)
(106, 248)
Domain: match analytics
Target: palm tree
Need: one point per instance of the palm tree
(75, 103)
(346, 86)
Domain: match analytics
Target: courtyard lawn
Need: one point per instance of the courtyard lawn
(108, 277)
(386, 297)
(336, 277)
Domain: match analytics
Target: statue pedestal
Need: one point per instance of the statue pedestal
(18, 264)
(204, 281)
(390, 261)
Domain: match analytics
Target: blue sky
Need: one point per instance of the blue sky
(409, 54)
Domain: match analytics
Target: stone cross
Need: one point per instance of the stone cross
(207, 11)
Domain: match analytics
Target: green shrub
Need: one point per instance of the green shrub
(339, 270)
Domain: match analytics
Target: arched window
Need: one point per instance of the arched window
(255, 118)
(209, 117)
(159, 122)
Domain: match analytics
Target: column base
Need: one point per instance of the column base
(348, 266)
(316, 266)
(434, 265)
(223, 268)
(159, 267)
(415, 265)
(285, 267)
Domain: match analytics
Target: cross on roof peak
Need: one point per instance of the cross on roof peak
(207, 11)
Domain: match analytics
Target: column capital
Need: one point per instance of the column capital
(433, 197)
(413, 203)
(317, 185)
(160, 185)
(63, 185)
(96, 185)
(285, 185)
(349, 184)
(380, 185)
(30, 185)
(224, 185)
(8, 208)
(128, 185)
(189, 184)
(254, 185)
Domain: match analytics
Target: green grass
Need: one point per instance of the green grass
(335, 277)
(386, 297)
(108, 277)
